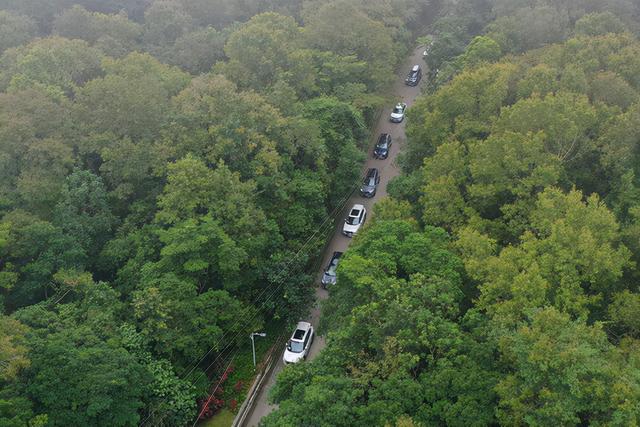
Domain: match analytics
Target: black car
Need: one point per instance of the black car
(414, 76)
(370, 184)
(382, 146)
(329, 276)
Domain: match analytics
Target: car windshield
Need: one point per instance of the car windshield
(382, 145)
(370, 181)
(296, 346)
(353, 220)
(331, 271)
(398, 109)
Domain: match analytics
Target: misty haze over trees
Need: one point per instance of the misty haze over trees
(161, 161)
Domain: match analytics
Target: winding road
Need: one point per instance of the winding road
(388, 169)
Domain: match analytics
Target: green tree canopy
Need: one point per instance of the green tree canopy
(594, 24)
(563, 371)
(54, 64)
(15, 30)
(115, 35)
(481, 49)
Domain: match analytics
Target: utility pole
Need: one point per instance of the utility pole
(253, 346)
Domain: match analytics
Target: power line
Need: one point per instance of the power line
(339, 206)
(212, 393)
(342, 203)
(232, 354)
(282, 273)
(229, 348)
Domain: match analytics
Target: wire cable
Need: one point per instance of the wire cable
(339, 206)
(324, 226)
(212, 394)
(284, 271)
(226, 352)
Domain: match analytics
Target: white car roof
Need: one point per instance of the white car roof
(358, 207)
(416, 67)
(303, 325)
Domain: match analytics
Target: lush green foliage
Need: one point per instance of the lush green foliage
(161, 165)
(516, 26)
(147, 149)
(521, 308)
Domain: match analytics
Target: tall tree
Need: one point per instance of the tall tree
(54, 64)
(15, 30)
(564, 372)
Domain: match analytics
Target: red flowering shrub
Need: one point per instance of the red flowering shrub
(211, 405)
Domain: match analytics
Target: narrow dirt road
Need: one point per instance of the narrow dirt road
(388, 169)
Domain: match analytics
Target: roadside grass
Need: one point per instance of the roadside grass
(224, 418)
(237, 385)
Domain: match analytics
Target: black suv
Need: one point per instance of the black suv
(414, 76)
(382, 146)
(370, 184)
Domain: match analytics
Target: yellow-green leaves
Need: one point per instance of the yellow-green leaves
(571, 259)
(13, 352)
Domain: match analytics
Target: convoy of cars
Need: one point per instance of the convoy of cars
(300, 342)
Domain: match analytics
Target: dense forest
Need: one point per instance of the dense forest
(169, 170)
(166, 171)
(499, 283)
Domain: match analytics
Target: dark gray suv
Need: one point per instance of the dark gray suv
(370, 184)
(414, 76)
(382, 147)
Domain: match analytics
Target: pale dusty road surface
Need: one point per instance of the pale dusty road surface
(388, 169)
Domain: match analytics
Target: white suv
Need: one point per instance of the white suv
(354, 221)
(397, 115)
(299, 343)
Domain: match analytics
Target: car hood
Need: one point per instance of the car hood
(397, 114)
(367, 188)
(291, 357)
(351, 228)
(381, 149)
(328, 279)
